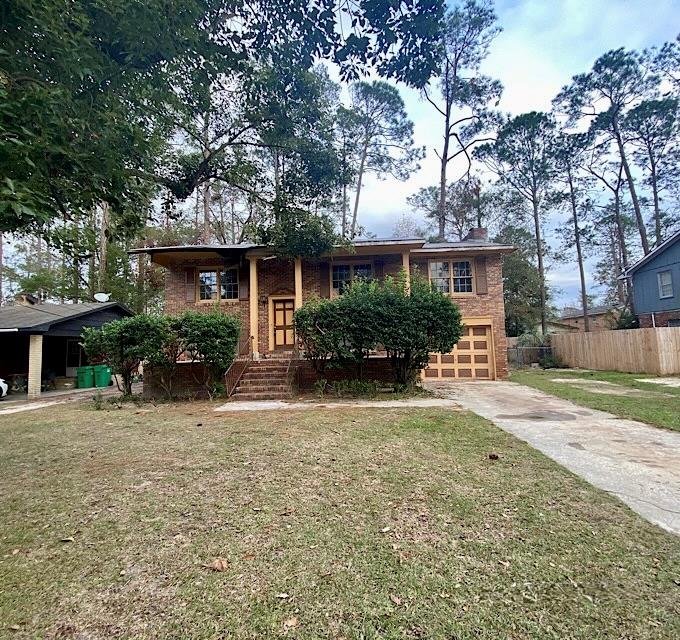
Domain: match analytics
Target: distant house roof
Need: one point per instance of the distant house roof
(592, 311)
(40, 318)
(666, 244)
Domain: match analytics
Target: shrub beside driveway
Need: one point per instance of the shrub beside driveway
(177, 521)
(655, 404)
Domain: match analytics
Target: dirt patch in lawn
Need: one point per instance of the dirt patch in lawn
(608, 388)
(178, 521)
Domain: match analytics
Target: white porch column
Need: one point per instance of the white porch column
(298, 283)
(406, 265)
(254, 319)
(35, 365)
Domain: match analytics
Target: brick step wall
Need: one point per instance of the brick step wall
(264, 380)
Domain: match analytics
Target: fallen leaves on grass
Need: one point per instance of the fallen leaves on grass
(218, 564)
(282, 596)
(291, 623)
(396, 599)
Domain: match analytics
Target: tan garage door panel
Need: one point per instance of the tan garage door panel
(471, 359)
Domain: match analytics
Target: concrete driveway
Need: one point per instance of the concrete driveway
(637, 463)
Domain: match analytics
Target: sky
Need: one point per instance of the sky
(543, 44)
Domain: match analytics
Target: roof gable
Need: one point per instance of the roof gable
(654, 253)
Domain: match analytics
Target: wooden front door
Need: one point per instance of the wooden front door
(284, 332)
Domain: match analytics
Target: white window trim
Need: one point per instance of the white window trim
(219, 270)
(452, 293)
(351, 266)
(661, 285)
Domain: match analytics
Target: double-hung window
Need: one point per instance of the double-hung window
(217, 284)
(452, 276)
(344, 274)
(665, 282)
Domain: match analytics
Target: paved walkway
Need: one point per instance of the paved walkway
(13, 404)
(637, 463)
(282, 405)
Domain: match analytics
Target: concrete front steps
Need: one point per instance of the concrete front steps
(264, 380)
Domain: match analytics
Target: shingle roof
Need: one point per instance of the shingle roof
(592, 311)
(652, 254)
(43, 316)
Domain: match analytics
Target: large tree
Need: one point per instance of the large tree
(88, 91)
(571, 151)
(464, 93)
(521, 281)
(616, 83)
(523, 157)
(385, 137)
(653, 127)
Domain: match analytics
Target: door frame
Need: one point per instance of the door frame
(71, 372)
(270, 315)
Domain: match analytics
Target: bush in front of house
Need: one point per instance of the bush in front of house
(210, 338)
(417, 321)
(123, 344)
(160, 340)
(408, 322)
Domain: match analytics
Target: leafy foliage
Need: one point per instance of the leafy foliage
(210, 338)
(124, 344)
(408, 322)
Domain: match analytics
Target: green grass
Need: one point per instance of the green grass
(349, 523)
(658, 406)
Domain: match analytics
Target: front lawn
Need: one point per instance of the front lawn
(178, 522)
(655, 404)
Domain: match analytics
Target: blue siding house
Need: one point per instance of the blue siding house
(656, 285)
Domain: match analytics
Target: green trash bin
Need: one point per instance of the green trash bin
(102, 375)
(85, 377)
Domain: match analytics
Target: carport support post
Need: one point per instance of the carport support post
(35, 365)
(253, 308)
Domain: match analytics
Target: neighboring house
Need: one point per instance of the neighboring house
(656, 285)
(248, 280)
(599, 318)
(42, 341)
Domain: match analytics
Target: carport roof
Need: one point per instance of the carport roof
(40, 318)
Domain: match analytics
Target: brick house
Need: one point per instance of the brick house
(263, 290)
(601, 318)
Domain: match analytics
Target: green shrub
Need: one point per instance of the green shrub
(408, 322)
(356, 388)
(210, 338)
(123, 344)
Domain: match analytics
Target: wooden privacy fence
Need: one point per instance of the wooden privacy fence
(634, 350)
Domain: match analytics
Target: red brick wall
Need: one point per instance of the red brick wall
(660, 319)
(489, 305)
(374, 369)
(599, 322)
(276, 277)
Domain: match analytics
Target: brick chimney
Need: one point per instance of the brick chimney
(480, 234)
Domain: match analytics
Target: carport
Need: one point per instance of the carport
(42, 341)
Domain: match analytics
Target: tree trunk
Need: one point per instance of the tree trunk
(631, 188)
(2, 267)
(539, 256)
(344, 210)
(655, 194)
(205, 236)
(444, 160)
(140, 306)
(619, 227)
(362, 166)
(579, 254)
(103, 247)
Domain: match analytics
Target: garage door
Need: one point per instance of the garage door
(471, 358)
